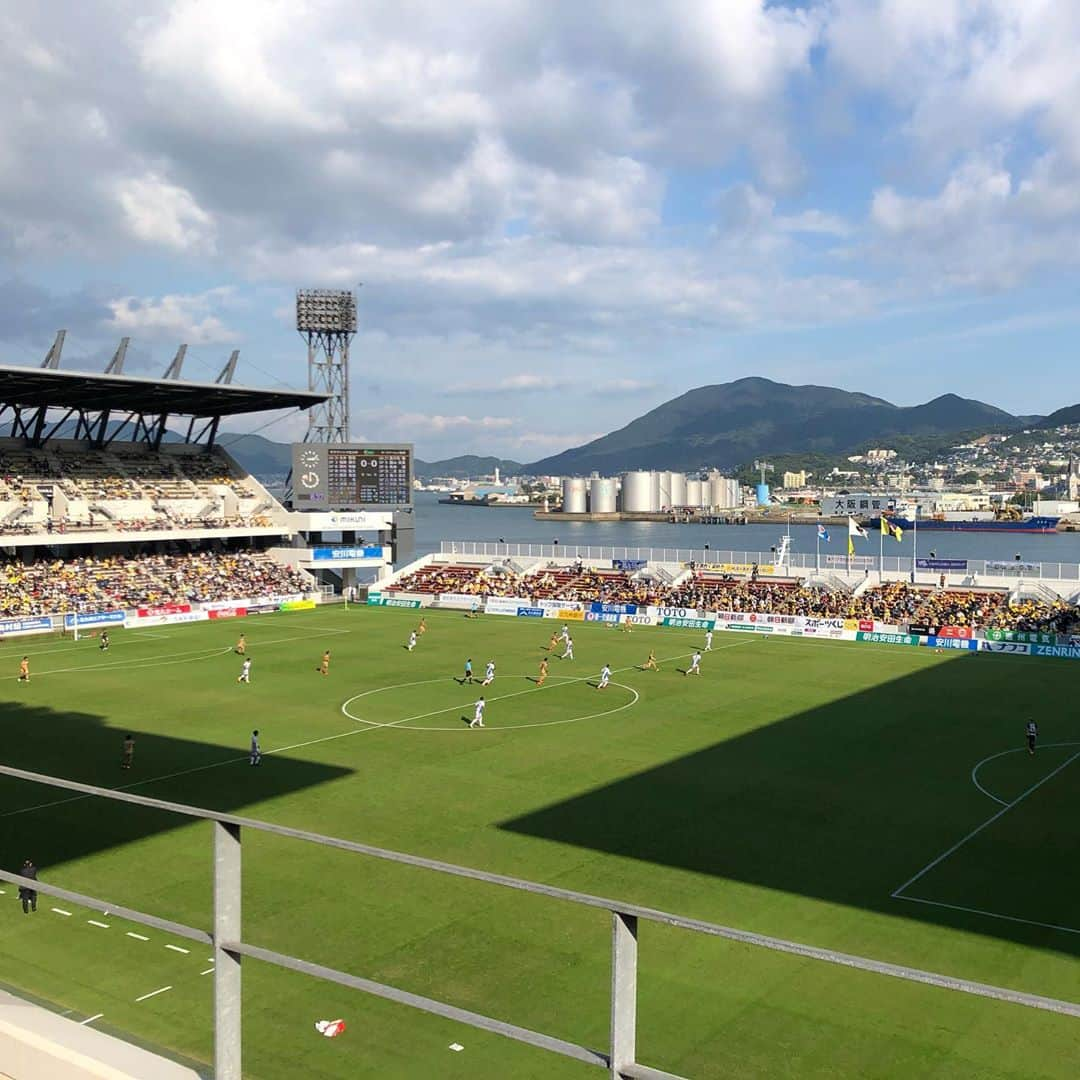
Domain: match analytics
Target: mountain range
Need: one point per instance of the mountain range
(724, 426)
(732, 423)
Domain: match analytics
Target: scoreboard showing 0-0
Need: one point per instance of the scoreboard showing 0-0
(347, 476)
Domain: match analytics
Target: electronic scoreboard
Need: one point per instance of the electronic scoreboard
(351, 476)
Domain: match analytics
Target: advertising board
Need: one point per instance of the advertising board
(1007, 648)
(96, 618)
(347, 554)
(174, 617)
(938, 642)
(505, 605)
(1062, 652)
(39, 625)
(888, 639)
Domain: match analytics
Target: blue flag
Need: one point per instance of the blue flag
(822, 534)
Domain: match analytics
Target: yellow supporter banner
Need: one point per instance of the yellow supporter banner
(851, 624)
(739, 568)
(297, 605)
(571, 615)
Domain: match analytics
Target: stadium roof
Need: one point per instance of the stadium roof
(31, 387)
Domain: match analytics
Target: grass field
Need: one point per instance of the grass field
(802, 789)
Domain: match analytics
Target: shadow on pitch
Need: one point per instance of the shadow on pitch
(845, 801)
(80, 746)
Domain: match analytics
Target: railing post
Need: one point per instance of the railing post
(227, 1006)
(623, 992)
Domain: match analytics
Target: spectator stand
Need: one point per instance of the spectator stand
(448, 578)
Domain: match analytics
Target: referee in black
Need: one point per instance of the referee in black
(27, 895)
(1032, 732)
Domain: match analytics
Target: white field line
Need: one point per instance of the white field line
(989, 914)
(61, 911)
(177, 948)
(189, 656)
(208, 971)
(503, 697)
(153, 993)
(91, 1019)
(137, 937)
(326, 738)
(94, 922)
(989, 821)
(1003, 753)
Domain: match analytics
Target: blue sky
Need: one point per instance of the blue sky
(562, 214)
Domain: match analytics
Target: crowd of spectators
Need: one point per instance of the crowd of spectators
(894, 603)
(100, 584)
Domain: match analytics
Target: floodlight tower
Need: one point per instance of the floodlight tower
(326, 320)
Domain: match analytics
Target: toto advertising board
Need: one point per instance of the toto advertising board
(660, 613)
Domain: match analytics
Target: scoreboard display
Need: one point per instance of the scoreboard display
(348, 476)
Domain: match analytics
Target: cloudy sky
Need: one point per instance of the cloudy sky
(562, 212)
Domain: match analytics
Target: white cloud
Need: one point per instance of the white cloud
(160, 213)
(173, 318)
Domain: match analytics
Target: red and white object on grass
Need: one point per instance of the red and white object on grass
(330, 1029)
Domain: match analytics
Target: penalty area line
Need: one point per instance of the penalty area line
(986, 824)
(989, 914)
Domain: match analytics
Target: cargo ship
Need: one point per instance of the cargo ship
(1002, 522)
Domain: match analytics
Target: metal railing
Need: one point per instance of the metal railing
(620, 1057)
(890, 564)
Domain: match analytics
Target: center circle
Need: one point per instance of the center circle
(405, 725)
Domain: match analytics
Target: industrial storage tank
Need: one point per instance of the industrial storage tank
(678, 489)
(602, 495)
(663, 496)
(723, 492)
(693, 493)
(573, 494)
(762, 494)
(639, 492)
(654, 497)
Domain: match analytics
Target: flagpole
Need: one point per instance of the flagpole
(881, 549)
(817, 554)
(915, 544)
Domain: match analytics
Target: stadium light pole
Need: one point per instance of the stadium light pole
(326, 320)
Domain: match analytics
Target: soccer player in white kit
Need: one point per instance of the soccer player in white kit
(564, 633)
(569, 654)
(708, 641)
(245, 671)
(695, 664)
(489, 673)
(412, 641)
(605, 677)
(255, 756)
(478, 716)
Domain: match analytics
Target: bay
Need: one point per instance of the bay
(436, 522)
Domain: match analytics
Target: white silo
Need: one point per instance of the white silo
(602, 495)
(573, 494)
(678, 489)
(726, 493)
(719, 496)
(654, 488)
(638, 492)
(693, 492)
(663, 490)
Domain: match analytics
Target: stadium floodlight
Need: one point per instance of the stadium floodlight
(326, 311)
(326, 319)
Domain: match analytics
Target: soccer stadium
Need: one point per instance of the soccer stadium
(710, 819)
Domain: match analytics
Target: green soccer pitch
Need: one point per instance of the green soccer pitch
(873, 800)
